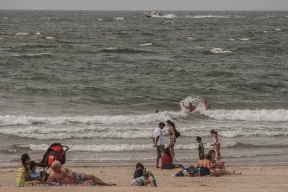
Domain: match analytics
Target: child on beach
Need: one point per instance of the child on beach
(34, 176)
(140, 170)
(200, 146)
(142, 181)
(216, 143)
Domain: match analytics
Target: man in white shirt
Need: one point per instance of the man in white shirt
(158, 142)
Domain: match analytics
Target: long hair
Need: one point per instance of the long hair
(208, 157)
(24, 157)
(167, 151)
(171, 123)
(213, 132)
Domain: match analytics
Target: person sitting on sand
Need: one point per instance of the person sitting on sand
(140, 170)
(190, 107)
(22, 178)
(167, 161)
(207, 168)
(219, 165)
(142, 181)
(34, 176)
(206, 104)
(66, 176)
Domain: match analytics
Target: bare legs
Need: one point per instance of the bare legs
(220, 172)
(97, 181)
(217, 149)
(157, 162)
(171, 146)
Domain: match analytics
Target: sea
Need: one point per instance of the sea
(92, 81)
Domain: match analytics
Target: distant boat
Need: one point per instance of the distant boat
(154, 14)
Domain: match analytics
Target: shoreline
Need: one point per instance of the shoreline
(235, 162)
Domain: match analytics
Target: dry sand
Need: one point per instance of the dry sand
(253, 178)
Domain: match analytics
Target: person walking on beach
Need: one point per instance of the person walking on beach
(172, 134)
(216, 143)
(190, 107)
(206, 104)
(158, 142)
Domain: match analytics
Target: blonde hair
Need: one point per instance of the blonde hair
(55, 164)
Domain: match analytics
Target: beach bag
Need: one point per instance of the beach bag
(177, 134)
(192, 170)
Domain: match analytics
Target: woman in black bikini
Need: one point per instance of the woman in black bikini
(207, 168)
(171, 133)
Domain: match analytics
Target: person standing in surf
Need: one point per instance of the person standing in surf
(216, 143)
(171, 133)
(206, 104)
(158, 142)
(190, 107)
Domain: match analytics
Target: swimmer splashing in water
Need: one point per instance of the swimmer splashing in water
(190, 107)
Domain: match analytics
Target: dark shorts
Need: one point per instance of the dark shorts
(79, 177)
(160, 150)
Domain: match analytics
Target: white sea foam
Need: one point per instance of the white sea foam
(111, 48)
(22, 34)
(167, 16)
(232, 39)
(37, 33)
(244, 39)
(248, 115)
(145, 44)
(50, 37)
(219, 50)
(100, 19)
(5, 17)
(119, 18)
(278, 29)
(110, 37)
(168, 21)
(119, 147)
(208, 16)
(40, 54)
(107, 120)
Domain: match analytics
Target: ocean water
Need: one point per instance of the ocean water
(93, 79)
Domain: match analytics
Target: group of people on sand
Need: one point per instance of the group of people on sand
(59, 175)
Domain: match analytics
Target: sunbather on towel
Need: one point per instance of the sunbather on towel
(66, 176)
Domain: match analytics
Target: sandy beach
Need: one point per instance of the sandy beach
(256, 178)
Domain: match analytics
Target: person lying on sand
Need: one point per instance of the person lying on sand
(66, 176)
(142, 181)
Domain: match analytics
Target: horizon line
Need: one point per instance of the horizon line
(129, 10)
